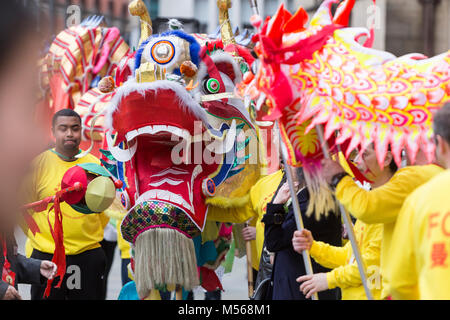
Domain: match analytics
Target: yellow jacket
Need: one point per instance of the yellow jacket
(382, 205)
(259, 195)
(345, 273)
(419, 265)
(81, 231)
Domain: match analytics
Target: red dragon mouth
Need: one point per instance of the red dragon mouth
(153, 127)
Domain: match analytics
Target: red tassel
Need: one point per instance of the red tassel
(32, 225)
(59, 256)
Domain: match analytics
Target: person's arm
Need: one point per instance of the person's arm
(329, 256)
(3, 287)
(278, 227)
(348, 275)
(401, 271)
(380, 205)
(28, 270)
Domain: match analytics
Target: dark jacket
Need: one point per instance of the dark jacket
(288, 264)
(27, 270)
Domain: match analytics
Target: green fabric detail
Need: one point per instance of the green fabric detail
(229, 258)
(95, 168)
(112, 168)
(244, 67)
(81, 208)
(107, 154)
(63, 156)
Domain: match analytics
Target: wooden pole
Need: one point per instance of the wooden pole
(248, 250)
(296, 207)
(179, 293)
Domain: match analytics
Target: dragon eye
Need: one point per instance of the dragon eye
(211, 85)
(162, 51)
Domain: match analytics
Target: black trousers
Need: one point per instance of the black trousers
(109, 248)
(84, 278)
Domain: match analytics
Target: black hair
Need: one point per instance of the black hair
(441, 122)
(65, 113)
(392, 165)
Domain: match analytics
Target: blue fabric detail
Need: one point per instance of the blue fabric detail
(194, 47)
(137, 61)
(129, 292)
(205, 252)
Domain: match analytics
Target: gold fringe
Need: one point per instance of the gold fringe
(228, 203)
(164, 256)
(321, 199)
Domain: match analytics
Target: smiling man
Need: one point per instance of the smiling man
(85, 259)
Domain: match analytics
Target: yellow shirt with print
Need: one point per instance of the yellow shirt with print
(345, 273)
(259, 195)
(81, 231)
(382, 205)
(419, 266)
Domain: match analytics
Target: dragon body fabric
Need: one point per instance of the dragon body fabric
(321, 75)
(178, 136)
(77, 59)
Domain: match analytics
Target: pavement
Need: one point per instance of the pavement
(234, 283)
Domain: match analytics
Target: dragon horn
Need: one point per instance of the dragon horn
(138, 8)
(224, 21)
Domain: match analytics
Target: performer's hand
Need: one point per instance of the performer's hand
(48, 269)
(249, 233)
(302, 240)
(330, 168)
(283, 194)
(313, 283)
(12, 294)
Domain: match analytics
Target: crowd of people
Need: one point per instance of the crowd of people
(400, 228)
(401, 222)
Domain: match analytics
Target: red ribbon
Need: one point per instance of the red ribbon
(32, 225)
(59, 257)
(280, 89)
(8, 275)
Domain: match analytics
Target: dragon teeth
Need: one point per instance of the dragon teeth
(183, 133)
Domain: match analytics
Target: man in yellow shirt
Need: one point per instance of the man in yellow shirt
(380, 205)
(85, 259)
(419, 263)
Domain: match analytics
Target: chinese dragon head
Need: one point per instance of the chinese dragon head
(181, 136)
(320, 76)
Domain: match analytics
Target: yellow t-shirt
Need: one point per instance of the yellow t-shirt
(345, 273)
(260, 194)
(81, 231)
(419, 266)
(124, 246)
(382, 205)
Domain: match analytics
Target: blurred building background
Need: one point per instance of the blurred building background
(402, 26)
